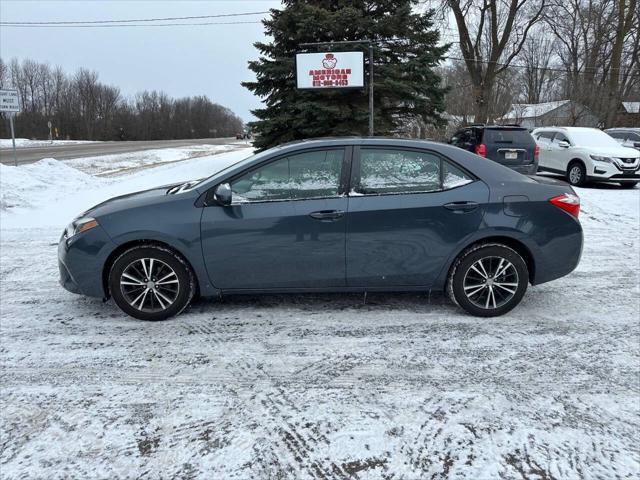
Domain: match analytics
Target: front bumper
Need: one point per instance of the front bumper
(81, 260)
(611, 172)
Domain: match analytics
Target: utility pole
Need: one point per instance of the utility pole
(370, 89)
(13, 140)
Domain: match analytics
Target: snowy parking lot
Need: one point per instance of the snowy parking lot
(402, 386)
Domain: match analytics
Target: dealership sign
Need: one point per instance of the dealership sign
(330, 70)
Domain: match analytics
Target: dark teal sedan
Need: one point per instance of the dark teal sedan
(330, 215)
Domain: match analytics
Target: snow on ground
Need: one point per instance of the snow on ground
(404, 386)
(52, 193)
(25, 142)
(123, 163)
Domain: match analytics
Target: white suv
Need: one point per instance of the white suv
(586, 154)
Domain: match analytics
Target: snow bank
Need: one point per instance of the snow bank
(124, 163)
(25, 142)
(28, 185)
(51, 193)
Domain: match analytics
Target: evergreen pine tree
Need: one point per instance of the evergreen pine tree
(406, 86)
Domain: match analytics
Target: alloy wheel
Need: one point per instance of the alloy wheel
(575, 174)
(491, 282)
(149, 285)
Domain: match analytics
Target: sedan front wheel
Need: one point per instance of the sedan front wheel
(488, 280)
(151, 283)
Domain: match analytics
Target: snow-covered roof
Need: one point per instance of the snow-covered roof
(456, 119)
(631, 107)
(532, 110)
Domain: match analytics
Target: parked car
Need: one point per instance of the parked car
(587, 154)
(329, 215)
(627, 137)
(509, 145)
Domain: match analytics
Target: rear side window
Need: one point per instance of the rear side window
(504, 135)
(405, 171)
(306, 175)
(544, 138)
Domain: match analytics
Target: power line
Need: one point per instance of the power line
(137, 20)
(531, 67)
(132, 25)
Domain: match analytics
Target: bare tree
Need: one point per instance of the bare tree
(80, 106)
(536, 57)
(491, 34)
(627, 18)
(598, 47)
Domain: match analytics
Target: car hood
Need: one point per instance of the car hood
(619, 152)
(161, 194)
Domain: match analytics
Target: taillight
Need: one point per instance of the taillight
(536, 152)
(481, 150)
(568, 202)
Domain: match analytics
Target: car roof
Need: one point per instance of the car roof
(495, 127)
(623, 129)
(354, 140)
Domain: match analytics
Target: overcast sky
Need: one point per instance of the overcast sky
(182, 61)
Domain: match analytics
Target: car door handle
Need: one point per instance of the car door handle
(327, 214)
(461, 207)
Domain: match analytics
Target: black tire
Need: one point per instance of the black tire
(162, 300)
(576, 174)
(515, 279)
(628, 184)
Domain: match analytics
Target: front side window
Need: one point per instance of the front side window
(634, 137)
(404, 171)
(306, 175)
(559, 138)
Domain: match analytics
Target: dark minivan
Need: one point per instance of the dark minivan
(509, 145)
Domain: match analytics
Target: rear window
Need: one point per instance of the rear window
(504, 135)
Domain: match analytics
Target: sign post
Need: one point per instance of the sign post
(50, 133)
(10, 103)
(316, 71)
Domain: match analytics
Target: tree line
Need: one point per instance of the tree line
(533, 51)
(462, 61)
(79, 106)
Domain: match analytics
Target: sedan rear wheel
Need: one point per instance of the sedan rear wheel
(488, 280)
(151, 283)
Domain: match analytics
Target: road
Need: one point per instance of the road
(65, 152)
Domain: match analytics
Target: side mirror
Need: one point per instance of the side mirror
(222, 194)
(564, 144)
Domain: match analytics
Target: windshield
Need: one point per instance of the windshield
(592, 137)
(235, 164)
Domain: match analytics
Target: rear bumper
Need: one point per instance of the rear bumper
(559, 256)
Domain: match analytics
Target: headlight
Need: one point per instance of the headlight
(599, 158)
(81, 225)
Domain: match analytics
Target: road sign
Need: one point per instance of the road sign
(330, 70)
(49, 124)
(9, 101)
